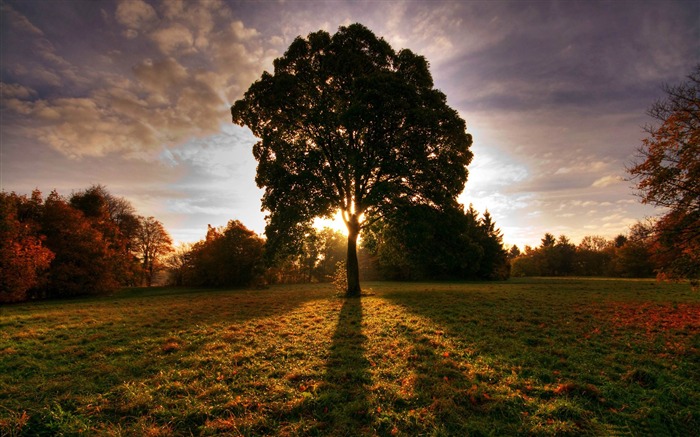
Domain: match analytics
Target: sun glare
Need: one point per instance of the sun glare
(336, 223)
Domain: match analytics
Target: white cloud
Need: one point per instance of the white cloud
(606, 181)
(173, 38)
(172, 94)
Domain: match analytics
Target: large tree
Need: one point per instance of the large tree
(668, 175)
(347, 123)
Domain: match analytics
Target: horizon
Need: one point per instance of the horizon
(135, 96)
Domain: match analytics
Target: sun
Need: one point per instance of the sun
(336, 223)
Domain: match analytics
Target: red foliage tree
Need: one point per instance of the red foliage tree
(230, 256)
(23, 257)
(668, 175)
(84, 262)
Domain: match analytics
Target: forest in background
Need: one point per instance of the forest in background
(93, 242)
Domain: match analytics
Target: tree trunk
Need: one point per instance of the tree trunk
(353, 267)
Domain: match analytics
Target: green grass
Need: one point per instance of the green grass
(537, 356)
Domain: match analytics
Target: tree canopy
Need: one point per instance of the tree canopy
(347, 123)
(422, 243)
(668, 175)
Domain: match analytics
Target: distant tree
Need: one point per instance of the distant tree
(332, 250)
(563, 257)
(620, 240)
(426, 243)
(153, 244)
(346, 123)
(23, 257)
(115, 218)
(594, 256)
(84, 260)
(545, 256)
(668, 175)
(494, 262)
(229, 256)
(549, 240)
(513, 252)
(180, 263)
(633, 259)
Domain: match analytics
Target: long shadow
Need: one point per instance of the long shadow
(342, 405)
(558, 368)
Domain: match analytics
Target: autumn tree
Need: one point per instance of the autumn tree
(152, 244)
(668, 175)
(179, 262)
(115, 218)
(84, 259)
(229, 256)
(348, 124)
(24, 259)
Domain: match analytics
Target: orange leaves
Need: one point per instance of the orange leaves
(654, 318)
(570, 388)
(477, 396)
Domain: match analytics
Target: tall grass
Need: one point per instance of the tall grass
(538, 356)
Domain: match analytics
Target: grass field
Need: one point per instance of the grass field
(537, 356)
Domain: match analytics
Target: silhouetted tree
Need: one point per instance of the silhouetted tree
(633, 259)
(346, 123)
(152, 244)
(180, 264)
(229, 256)
(668, 175)
(421, 242)
(562, 257)
(594, 256)
(514, 252)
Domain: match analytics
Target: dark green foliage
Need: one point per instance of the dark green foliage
(229, 256)
(348, 124)
(625, 256)
(316, 259)
(421, 242)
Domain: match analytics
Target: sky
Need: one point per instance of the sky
(135, 95)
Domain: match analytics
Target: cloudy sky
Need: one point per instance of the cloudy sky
(135, 95)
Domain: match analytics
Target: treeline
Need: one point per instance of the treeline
(426, 243)
(91, 242)
(421, 243)
(629, 256)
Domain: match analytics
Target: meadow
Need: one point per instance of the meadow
(523, 357)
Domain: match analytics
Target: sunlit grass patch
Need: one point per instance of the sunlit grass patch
(541, 356)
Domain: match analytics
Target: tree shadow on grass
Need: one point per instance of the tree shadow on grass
(531, 365)
(341, 407)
